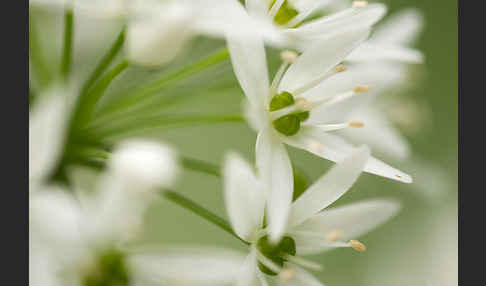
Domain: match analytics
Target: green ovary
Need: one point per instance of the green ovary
(288, 124)
(285, 13)
(275, 253)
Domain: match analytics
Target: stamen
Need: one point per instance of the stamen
(357, 245)
(284, 111)
(304, 262)
(339, 68)
(333, 236)
(361, 89)
(288, 56)
(332, 127)
(286, 274)
(276, 6)
(360, 4)
(316, 81)
(355, 124)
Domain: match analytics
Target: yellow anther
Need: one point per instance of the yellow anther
(334, 235)
(288, 56)
(361, 89)
(360, 4)
(357, 245)
(339, 68)
(286, 274)
(355, 124)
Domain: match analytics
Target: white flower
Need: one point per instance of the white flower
(48, 122)
(300, 106)
(159, 34)
(73, 239)
(392, 39)
(308, 230)
(281, 22)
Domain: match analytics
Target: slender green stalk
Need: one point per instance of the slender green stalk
(88, 101)
(137, 123)
(200, 166)
(39, 65)
(146, 92)
(193, 207)
(105, 61)
(68, 44)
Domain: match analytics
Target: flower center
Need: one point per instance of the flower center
(288, 124)
(275, 253)
(109, 269)
(285, 13)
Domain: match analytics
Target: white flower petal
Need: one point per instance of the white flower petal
(244, 196)
(372, 52)
(320, 58)
(275, 171)
(350, 221)
(257, 7)
(401, 28)
(188, 267)
(47, 132)
(298, 277)
(329, 187)
(352, 18)
(334, 148)
(250, 67)
(55, 218)
(144, 165)
(378, 133)
(247, 275)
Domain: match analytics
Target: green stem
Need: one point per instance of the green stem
(68, 44)
(138, 124)
(87, 101)
(146, 92)
(200, 211)
(200, 166)
(105, 61)
(39, 65)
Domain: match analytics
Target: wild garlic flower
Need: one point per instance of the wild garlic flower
(298, 107)
(294, 24)
(76, 241)
(393, 39)
(308, 230)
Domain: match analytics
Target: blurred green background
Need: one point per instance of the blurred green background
(418, 247)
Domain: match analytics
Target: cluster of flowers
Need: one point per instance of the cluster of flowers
(81, 224)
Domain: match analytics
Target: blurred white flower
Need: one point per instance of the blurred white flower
(256, 216)
(48, 123)
(74, 240)
(299, 108)
(393, 39)
(158, 35)
(282, 22)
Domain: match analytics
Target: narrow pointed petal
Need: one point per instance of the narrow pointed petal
(329, 187)
(275, 171)
(401, 28)
(334, 148)
(296, 276)
(348, 19)
(372, 52)
(244, 196)
(316, 61)
(247, 275)
(196, 267)
(257, 8)
(343, 223)
(250, 66)
(378, 133)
